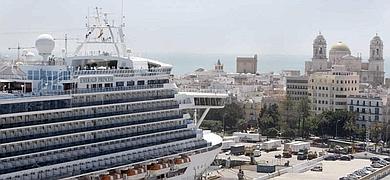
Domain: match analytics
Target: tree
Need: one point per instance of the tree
(288, 133)
(230, 115)
(376, 129)
(333, 122)
(269, 117)
(272, 132)
(213, 125)
(303, 109)
(288, 114)
(350, 127)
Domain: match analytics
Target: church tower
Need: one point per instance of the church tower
(319, 47)
(319, 61)
(376, 62)
(218, 67)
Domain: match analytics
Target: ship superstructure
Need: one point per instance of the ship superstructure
(100, 114)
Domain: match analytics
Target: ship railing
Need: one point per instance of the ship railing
(108, 89)
(19, 94)
(214, 91)
(141, 72)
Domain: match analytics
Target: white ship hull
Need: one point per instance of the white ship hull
(199, 164)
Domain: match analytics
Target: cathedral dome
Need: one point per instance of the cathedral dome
(340, 46)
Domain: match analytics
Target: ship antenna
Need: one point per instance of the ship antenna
(122, 14)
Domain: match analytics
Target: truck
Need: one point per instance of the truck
(227, 144)
(232, 138)
(249, 149)
(237, 149)
(248, 137)
(287, 146)
(302, 154)
(256, 153)
(295, 146)
(287, 154)
(271, 145)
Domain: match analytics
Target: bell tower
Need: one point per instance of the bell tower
(319, 62)
(319, 47)
(376, 62)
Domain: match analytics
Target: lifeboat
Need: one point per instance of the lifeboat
(107, 177)
(181, 162)
(136, 173)
(156, 169)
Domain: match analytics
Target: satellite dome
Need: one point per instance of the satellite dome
(44, 44)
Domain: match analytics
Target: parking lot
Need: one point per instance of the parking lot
(331, 170)
(250, 170)
(269, 157)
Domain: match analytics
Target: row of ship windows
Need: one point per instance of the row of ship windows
(55, 142)
(116, 97)
(89, 165)
(112, 98)
(85, 112)
(75, 153)
(128, 83)
(45, 130)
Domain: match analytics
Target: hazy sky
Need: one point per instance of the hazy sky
(207, 26)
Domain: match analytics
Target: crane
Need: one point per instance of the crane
(66, 42)
(18, 48)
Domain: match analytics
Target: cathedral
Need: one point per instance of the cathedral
(371, 72)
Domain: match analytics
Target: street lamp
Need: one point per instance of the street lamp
(336, 128)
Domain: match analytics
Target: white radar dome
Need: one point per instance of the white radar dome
(44, 44)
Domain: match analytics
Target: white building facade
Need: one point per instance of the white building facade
(370, 109)
(329, 90)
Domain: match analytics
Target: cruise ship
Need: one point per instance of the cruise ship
(100, 113)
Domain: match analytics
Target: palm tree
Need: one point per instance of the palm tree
(376, 129)
(350, 127)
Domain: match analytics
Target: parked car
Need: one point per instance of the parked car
(374, 159)
(345, 158)
(352, 176)
(312, 155)
(331, 158)
(376, 165)
(368, 168)
(383, 162)
(317, 167)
